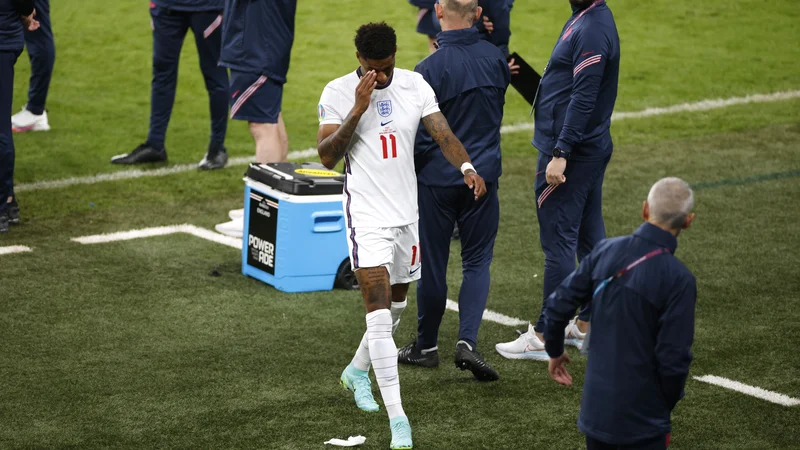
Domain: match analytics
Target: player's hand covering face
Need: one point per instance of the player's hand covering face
(383, 68)
(364, 91)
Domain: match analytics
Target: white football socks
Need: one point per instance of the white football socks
(361, 359)
(383, 353)
(397, 311)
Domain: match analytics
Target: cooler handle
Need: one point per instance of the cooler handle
(328, 221)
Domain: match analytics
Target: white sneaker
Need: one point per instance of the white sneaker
(527, 346)
(236, 214)
(573, 335)
(234, 228)
(27, 121)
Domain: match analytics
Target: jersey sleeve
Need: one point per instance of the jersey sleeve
(430, 104)
(329, 109)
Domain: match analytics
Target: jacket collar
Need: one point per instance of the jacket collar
(465, 36)
(652, 233)
(576, 9)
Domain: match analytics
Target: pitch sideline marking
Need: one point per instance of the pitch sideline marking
(753, 391)
(703, 105)
(492, 316)
(160, 231)
(14, 249)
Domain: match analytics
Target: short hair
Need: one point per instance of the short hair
(670, 201)
(464, 9)
(376, 41)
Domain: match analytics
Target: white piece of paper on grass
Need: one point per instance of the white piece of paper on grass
(352, 441)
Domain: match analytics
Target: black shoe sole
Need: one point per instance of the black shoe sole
(478, 373)
(425, 364)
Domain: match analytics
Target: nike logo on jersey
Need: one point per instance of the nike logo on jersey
(412, 272)
(383, 124)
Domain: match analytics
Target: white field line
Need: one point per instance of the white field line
(140, 173)
(492, 316)
(753, 391)
(14, 249)
(161, 231)
(704, 105)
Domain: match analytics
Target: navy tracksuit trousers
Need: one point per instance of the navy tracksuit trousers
(42, 53)
(439, 209)
(570, 220)
(7, 61)
(169, 30)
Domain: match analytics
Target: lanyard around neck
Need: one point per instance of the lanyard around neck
(629, 267)
(569, 28)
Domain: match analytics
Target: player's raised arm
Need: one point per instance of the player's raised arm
(333, 140)
(454, 151)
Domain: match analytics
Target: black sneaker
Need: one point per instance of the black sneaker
(469, 359)
(144, 153)
(13, 212)
(216, 157)
(4, 221)
(410, 354)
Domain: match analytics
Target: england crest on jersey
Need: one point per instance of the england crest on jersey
(385, 108)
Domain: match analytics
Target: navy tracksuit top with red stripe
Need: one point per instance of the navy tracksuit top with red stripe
(579, 87)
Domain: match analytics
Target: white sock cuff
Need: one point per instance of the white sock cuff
(400, 305)
(380, 316)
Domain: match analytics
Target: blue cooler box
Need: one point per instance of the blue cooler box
(294, 230)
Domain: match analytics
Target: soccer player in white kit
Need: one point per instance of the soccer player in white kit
(370, 118)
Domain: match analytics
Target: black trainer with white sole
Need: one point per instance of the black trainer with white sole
(4, 221)
(468, 359)
(216, 157)
(13, 212)
(144, 153)
(411, 355)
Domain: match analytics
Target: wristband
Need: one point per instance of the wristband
(467, 166)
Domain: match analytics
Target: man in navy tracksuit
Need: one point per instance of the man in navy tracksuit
(572, 133)
(171, 20)
(495, 12)
(15, 15)
(42, 53)
(257, 42)
(470, 77)
(643, 302)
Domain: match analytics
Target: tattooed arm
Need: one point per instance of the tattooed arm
(453, 150)
(333, 140)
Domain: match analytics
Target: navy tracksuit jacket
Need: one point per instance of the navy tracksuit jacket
(573, 112)
(470, 77)
(641, 336)
(171, 20)
(11, 44)
(258, 37)
(498, 12)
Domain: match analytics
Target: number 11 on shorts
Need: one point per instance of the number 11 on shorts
(385, 144)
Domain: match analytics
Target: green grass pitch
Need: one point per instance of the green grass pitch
(133, 345)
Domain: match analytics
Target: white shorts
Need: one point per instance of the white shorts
(396, 248)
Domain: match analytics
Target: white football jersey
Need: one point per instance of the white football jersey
(380, 187)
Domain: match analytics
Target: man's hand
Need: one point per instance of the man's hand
(488, 25)
(558, 370)
(30, 22)
(364, 92)
(555, 171)
(513, 67)
(476, 183)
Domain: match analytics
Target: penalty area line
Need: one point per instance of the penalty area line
(14, 249)
(752, 391)
(491, 316)
(161, 231)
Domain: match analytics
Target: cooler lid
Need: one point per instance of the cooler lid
(307, 178)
